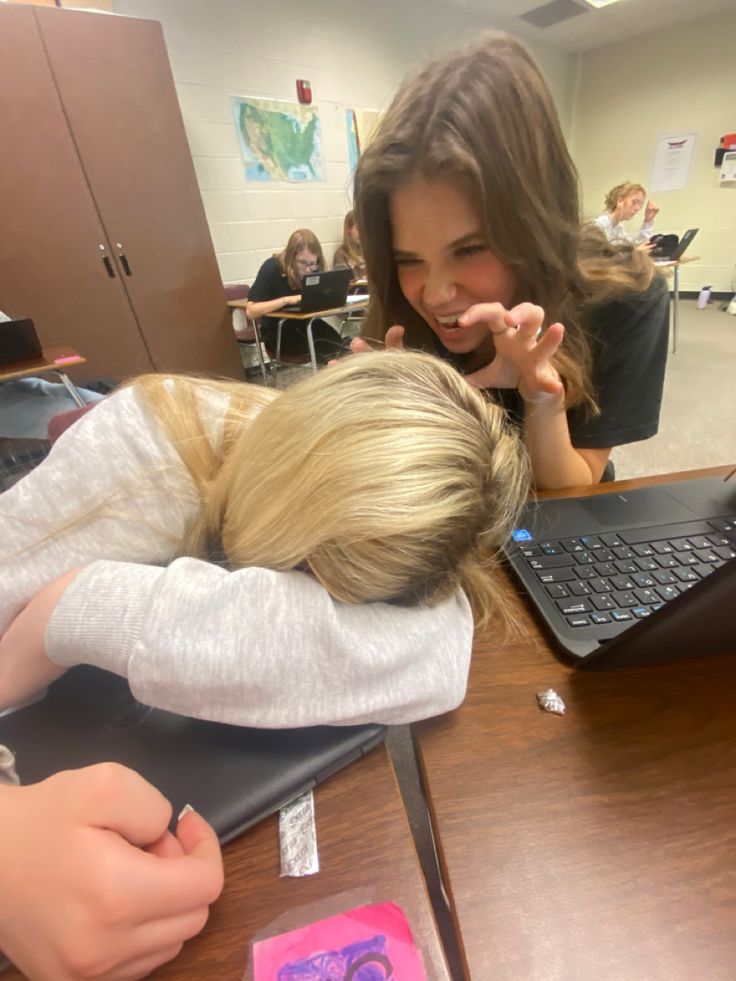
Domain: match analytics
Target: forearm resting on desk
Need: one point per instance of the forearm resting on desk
(265, 307)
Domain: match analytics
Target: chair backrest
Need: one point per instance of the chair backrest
(243, 327)
(63, 420)
(237, 291)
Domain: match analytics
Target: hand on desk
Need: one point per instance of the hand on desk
(92, 884)
(25, 667)
(291, 301)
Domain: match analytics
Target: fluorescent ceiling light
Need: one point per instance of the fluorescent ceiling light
(600, 3)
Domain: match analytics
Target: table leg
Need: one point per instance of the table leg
(310, 342)
(70, 387)
(675, 307)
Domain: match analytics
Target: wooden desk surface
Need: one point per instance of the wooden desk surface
(600, 844)
(54, 359)
(293, 315)
(668, 264)
(366, 855)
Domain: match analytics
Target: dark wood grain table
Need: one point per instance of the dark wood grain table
(366, 855)
(600, 844)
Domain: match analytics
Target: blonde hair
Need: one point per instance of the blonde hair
(623, 190)
(299, 241)
(386, 476)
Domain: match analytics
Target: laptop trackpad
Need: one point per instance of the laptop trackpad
(645, 506)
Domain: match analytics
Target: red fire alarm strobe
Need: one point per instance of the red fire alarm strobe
(304, 91)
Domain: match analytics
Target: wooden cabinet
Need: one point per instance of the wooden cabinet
(103, 238)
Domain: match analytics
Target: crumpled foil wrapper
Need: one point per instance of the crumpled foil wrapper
(298, 837)
(549, 701)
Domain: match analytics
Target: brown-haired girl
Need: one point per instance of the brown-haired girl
(278, 285)
(468, 208)
(349, 253)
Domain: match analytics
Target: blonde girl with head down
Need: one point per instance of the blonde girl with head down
(271, 561)
(467, 204)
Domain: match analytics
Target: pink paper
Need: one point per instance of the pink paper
(66, 360)
(368, 943)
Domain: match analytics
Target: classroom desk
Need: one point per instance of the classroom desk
(54, 360)
(348, 308)
(600, 844)
(366, 855)
(674, 266)
(309, 318)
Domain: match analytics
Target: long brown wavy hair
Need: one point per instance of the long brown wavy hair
(483, 116)
(302, 238)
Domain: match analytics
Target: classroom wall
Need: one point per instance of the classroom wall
(354, 55)
(677, 79)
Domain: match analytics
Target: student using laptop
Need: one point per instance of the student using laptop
(278, 285)
(92, 884)
(468, 209)
(622, 203)
(316, 556)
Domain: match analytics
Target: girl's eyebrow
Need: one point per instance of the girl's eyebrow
(473, 237)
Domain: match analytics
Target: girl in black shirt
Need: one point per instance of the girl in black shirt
(277, 285)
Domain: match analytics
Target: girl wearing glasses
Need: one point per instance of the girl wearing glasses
(277, 285)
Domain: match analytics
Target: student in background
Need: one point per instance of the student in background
(92, 884)
(278, 284)
(468, 208)
(622, 203)
(349, 253)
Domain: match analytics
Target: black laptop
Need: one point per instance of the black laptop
(232, 775)
(676, 252)
(322, 291)
(633, 577)
(19, 342)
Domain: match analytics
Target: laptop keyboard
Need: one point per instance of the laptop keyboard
(625, 576)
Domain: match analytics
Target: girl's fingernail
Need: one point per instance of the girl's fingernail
(185, 810)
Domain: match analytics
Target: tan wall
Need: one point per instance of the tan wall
(678, 79)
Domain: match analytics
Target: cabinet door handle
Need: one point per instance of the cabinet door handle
(106, 262)
(123, 259)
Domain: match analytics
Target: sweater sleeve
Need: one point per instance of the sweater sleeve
(645, 233)
(112, 487)
(261, 648)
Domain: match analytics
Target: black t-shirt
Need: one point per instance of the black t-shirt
(271, 283)
(628, 340)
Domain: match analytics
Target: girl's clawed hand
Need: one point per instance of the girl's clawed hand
(523, 352)
(394, 341)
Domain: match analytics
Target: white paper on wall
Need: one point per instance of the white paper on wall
(728, 170)
(673, 156)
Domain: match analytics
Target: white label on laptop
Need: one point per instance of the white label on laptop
(311, 280)
(298, 837)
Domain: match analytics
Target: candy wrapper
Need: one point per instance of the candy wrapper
(368, 943)
(298, 837)
(550, 701)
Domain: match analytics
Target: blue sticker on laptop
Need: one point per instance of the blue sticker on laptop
(521, 535)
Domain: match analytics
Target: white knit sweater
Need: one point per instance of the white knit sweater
(251, 647)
